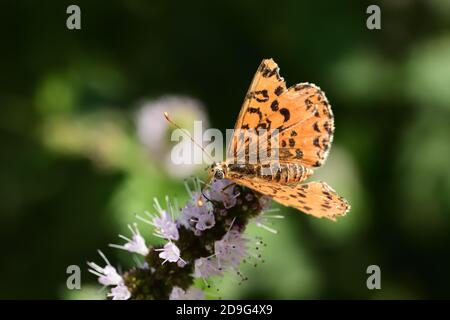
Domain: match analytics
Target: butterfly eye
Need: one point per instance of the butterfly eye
(219, 175)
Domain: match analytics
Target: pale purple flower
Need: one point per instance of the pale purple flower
(136, 244)
(197, 210)
(265, 202)
(170, 253)
(165, 226)
(120, 292)
(205, 221)
(107, 275)
(231, 249)
(181, 263)
(262, 220)
(188, 215)
(190, 294)
(206, 267)
(223, 191)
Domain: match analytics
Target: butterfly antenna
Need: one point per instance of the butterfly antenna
(166, 115)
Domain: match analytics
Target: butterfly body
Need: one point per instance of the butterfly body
(303, 123)
(282, 173)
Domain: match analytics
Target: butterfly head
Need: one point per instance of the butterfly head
(218, 171)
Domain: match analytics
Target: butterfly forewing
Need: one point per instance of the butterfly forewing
(300, 115)
(266, 86)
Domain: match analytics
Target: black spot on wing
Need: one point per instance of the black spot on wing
(274, 105)
(316, 142)
(261, 95)
(309, 104)
(266, 72)
(291, 142)
(302, 86)
(328, 127)
(279, 90)
(316, 127)
(286, 114)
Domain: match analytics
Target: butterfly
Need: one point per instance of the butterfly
(303, 123)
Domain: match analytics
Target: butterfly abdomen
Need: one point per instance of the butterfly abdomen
(282, 173)
(286, 173)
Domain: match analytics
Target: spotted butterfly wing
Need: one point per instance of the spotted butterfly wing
(314, 198)
(301, 114)
(304, 123)
(266, 86)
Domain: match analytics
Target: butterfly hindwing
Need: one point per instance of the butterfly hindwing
(305, 125)
(314, 198)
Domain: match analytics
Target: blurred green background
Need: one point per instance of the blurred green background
(78, 108)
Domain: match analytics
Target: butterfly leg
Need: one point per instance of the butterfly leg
(205, 185)
(200, 201)
(228, 186)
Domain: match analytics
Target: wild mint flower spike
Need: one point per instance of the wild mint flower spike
(205, 240)
(136, 244)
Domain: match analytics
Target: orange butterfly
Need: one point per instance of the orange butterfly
(303, 120)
